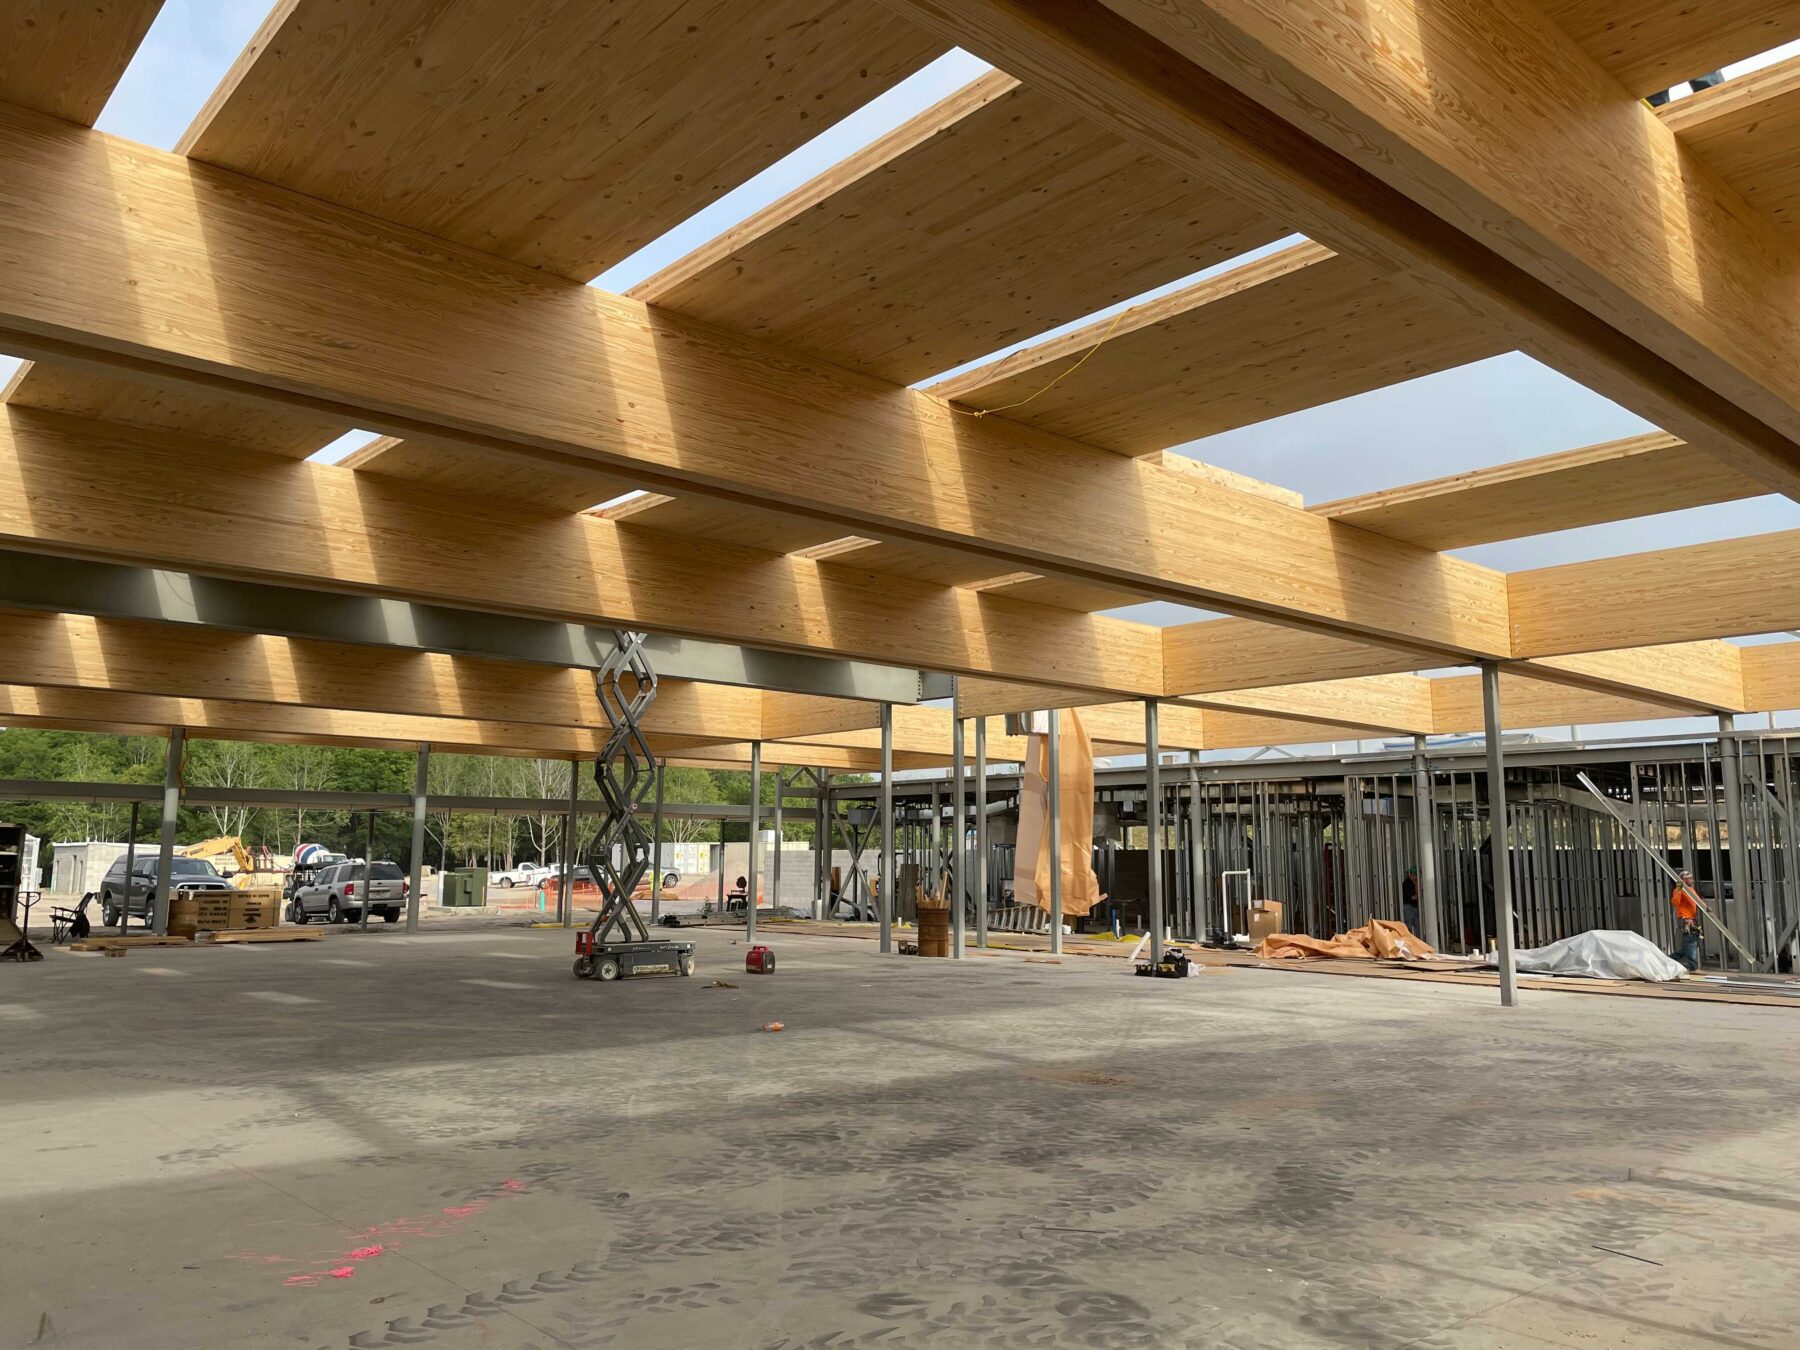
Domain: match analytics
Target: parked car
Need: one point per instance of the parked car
(335, 893)
(520, 874)
(184, 874)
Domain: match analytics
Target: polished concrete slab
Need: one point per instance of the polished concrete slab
(446, 1140)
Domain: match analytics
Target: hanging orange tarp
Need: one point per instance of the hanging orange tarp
(1080, 887)
(1385, 939)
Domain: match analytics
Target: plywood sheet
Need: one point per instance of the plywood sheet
(64, 57)
(1291, 331)
(1649, 45)
(1749, 131)
(564, 136)
(163, 406)
(456, 468)
(993, 216)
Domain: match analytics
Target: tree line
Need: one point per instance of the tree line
(453, 838)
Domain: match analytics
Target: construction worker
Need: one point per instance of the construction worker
(1687, 922)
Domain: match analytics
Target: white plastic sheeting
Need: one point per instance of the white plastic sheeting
(1603, 954)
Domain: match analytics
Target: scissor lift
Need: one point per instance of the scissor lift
(618, 943)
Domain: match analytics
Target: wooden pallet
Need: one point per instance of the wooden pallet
(229, 935)
(100, 944)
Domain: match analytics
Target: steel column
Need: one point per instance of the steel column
(884, 903)
(958, 836)
(1054, 825)
(415, 869)
(131, 871)
(1153, 822)
(775, 859)
(1738, 913)
(1425, 842)
(1496, 772)
(822, 841)
(656, 834)
(368, 887)
(981, 834)
(565, 893)
(158, 909)
(755, 829)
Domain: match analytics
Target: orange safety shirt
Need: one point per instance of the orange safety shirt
(1685, 908)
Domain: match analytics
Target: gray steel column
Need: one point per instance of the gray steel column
(171, 810)
(958, 853)
(1153, 821)
(936, 842)
(1054, 827)
(1425, 833)
(884, 907)
(656, 834)
(1196, 850)
(1496, 774)
(775, 860)
(981, 834)
(1737, 913)
(131, 871)
(755, 827)
(565, 900)
(822, 842)
(415, 869)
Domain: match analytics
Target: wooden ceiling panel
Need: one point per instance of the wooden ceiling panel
(1065, 593)
(1291, 331)
(1619, 480)
(160, 406)
(940, 566)
(738, 523)
(1749, 131)
(457, 468)
(995, 215)
(563, 136)
(65, 57)
(1649, 45)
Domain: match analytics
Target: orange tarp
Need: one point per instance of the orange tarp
(1379, 938)
(1080, 887)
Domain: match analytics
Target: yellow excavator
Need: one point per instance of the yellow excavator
(220, 846)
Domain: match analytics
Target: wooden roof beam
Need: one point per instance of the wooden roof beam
(1619, 480)
(155, 498)
(1748, 130)
(1567, 218)
(152, 263)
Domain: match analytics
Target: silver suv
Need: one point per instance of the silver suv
(184, 874)
(335, 894)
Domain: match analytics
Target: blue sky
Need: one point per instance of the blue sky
(1488, 413)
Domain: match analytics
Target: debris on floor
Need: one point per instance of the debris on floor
(1601, 954)
(771, 1026)
(1378, 939)
(721, 984)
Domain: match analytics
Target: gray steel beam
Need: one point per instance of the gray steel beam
(755, 827)
(981, 833)
(1153, 824)
(656, 834)
(1054, 827)
(1425, 837)
(1739, 911)
(565, 893)
(958, 887)
(118, 591)
(884, 906)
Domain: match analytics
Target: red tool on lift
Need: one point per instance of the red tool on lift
(759, 960)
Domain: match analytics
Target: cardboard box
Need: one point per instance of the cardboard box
(254, 909)
(1264, 920)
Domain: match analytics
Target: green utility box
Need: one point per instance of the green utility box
(465, 887)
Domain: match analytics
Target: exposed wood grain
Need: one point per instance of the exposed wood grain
(1749, 131)
(1647, 45)
(738, 524)
(1638, 476)
(165, 406)
(558, 488)
(1729, 589)
(64, 57)
(1703, 676)
(1215, 654)
(309, 303)
(1292, 331)
(995, 215)
(1467, 149)
(1527, 702)
(1383, 703)
(564, 136)
(62, 491)
(76, 651)
(1772, 676)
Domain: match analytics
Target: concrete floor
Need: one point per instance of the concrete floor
(446, 1140)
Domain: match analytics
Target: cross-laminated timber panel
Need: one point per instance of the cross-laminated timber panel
(1397, 133)
(181, 271)
(64, 57)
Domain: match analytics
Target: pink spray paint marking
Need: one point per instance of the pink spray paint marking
(450, 1219)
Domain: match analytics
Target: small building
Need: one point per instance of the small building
(76, 869)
